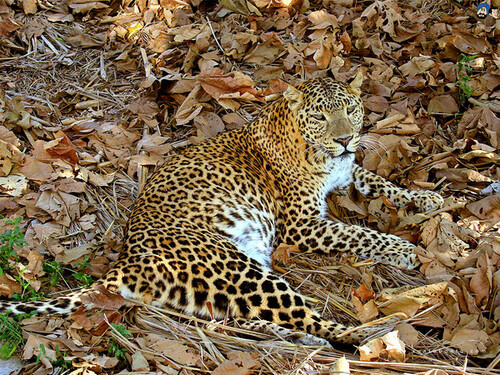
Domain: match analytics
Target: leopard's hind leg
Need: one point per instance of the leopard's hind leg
(205, 274)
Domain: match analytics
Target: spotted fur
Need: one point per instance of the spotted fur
(203, 228)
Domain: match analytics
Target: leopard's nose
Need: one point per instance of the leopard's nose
(344, 141)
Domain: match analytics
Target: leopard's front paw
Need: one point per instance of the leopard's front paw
(426, 200)
(401, 254)
(390, 249)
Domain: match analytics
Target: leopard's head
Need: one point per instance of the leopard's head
(329, 114)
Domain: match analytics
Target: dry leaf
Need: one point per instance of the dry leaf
(9, 286)
(470, 341)
(14, 185)
(442, 104)
(139, 362)
(238, 363)
(180, 353)
(36, 170)
(341, 367)
(364, 293)
(282, 253)
(29, 6)
(387, 348)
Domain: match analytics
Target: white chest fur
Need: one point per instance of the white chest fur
(339, 176)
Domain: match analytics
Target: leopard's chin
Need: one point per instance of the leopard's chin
(338, 154)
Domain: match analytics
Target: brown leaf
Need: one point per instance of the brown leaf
(9, 286)
(387, 348)
(68, 256)
(13, 185)
(155, 143)
(238, 363)
(182, 354)
(470, 341)
(282, 253)
(364, 293)
(486, 208)
(265, 53)
(9, 137)
(7, 26)
(29, 6)
(442, 104)
(417, 65)
(209, 124)
(466, 43)
(235, 85)
(86, 40)
(86, 6)
(102, 298)
(62, 148)
(376, 103)
(408, 334)
(462, 175)
(365, 312)
(35, 265)
(481, 281)
(139, 362)
(36, 170)
(96, 322)
(410, 301)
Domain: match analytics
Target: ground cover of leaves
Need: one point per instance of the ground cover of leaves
(94, 94)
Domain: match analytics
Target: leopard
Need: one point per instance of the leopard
(202, 231)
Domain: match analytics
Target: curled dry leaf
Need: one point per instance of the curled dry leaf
(13, 185)
(470, 341)
(486, 208)
(9, 286)
(180, 353)
(228, 86)
(365, 312)
(96, 322)
(282, 253)
(62, 147)
(238, 363)
(364, 293)
(411, 301)
(387, 348)
(482, 281)
(100, 297)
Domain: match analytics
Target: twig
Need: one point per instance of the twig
(495, 107)
(213, 34)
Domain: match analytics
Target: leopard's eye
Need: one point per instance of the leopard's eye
(319, 116)
(351, 109)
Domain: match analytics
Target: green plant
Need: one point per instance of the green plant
(59, 362)
(115, 349)
(11, 334)
(9, 240)
(84, 278)
(463, 68)
(54, 270)
(81, 276)
(28, 293)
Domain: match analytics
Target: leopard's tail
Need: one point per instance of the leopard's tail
(63, 305)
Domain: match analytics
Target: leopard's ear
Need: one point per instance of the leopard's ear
(356, 83)
(294, 97)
